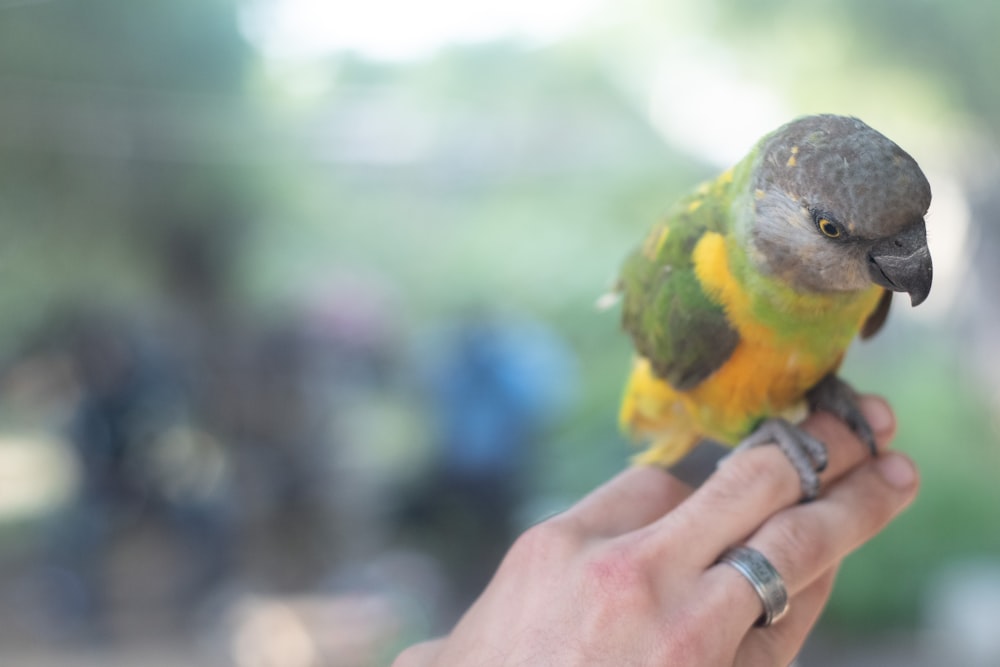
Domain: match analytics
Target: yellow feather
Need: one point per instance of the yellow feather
(765, 375)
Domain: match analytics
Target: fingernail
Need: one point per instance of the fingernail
(897, 470)
(879, 414)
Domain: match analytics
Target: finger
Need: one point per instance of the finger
(804, 541)
(419, 655)
(630, 500)
(781, 642)
(750, 487)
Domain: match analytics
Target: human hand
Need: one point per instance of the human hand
(628, 575)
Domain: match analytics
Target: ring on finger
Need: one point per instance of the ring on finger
(766, 581)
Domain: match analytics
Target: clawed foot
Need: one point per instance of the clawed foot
(806, 454)
(835, 396)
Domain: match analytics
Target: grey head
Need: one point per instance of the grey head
(838, 206)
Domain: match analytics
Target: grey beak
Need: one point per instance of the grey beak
(902, 263)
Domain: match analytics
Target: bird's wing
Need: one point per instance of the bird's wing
(878, 316)
(685, 335)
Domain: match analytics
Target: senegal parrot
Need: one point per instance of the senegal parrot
(743, 301)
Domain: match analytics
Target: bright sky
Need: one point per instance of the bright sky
(398, 30)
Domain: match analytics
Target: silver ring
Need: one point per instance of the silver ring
(766, 582)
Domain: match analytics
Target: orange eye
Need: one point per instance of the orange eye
(828, 228)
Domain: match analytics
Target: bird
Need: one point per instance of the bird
(743, 300)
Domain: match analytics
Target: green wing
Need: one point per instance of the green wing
(684, 334)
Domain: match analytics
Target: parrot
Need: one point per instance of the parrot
(742, 301)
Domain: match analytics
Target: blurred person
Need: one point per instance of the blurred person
(293, 390)
(493, 385)
(140, 466)
(643, 570)
(279, 433)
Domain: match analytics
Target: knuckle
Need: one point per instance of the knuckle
(797, 542)
(755, 467)
(685, 641)
(617, 580)
(411, 657)
(545, 542)
(758, 465)
(612, 573)
(863, 514)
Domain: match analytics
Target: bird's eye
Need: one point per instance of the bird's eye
(827, 224)
(829, 228)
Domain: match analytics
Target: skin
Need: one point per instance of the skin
(627, 576)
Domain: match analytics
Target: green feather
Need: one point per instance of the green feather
(673, 323)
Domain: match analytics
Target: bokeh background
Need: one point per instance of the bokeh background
(297, 304)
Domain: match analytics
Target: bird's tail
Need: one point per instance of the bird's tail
(653, 412)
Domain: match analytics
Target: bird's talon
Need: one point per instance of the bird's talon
(810, 488)
(806, 454)
(835, 396)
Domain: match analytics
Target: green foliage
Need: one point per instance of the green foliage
(180, 46)
(102, 132)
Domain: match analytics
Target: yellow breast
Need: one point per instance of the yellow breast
(768, 373)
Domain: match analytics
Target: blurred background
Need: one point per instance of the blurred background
(297, 304)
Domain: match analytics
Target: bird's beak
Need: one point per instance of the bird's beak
(902, 263)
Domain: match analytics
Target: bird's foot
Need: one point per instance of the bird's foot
(806, 454)
(833, 395)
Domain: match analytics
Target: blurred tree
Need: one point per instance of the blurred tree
(114, 122)
(185, 46)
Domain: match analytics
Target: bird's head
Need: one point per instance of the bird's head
(838, 207)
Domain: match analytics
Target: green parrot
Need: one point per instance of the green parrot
(741, 304)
